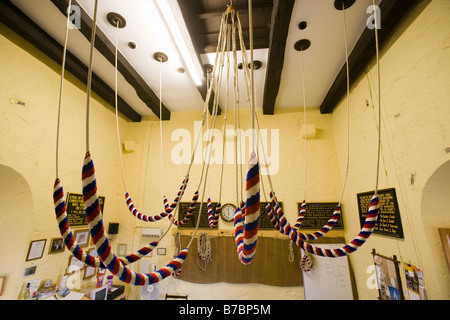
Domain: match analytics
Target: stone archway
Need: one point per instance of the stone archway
(436, 214)
(16, 207)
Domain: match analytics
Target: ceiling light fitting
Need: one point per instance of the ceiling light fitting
(171, 12)
(339, 4)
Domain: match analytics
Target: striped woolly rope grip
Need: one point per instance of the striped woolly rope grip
(213, 217)
(306, 263)
(189, 213)
(355, 244)
(246, 232)
(101, 241)
(273, 217)
(180, 194)
(286, 227)
(69, 239)
(160, 216)
(66, 232)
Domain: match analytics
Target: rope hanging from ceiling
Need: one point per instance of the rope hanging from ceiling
(246, 220)
(92, 207)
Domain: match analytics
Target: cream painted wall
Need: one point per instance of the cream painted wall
(28, 150)
(27, 157)
(415, 101)
(322, 185)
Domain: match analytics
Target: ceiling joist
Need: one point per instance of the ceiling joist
(364, 52)
(281, 19)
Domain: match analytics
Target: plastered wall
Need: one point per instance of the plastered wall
(416, 113)
(415, 107)
(27, 157)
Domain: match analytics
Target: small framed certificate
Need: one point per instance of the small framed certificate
(36, 249)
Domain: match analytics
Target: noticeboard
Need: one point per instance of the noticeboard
(75, 209)
(389, 221)
(318, 213)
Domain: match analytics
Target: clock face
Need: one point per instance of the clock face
(227, 212)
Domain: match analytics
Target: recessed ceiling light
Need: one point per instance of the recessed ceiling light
(132, 45)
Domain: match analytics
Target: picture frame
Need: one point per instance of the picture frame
(445, 238)
(74, 265)
(82, 237)
(29, 271)
(121, 249)
(388, 277)
(36, 249)
(89, 272)
(161, 251)
(56, 245)
(2, 284)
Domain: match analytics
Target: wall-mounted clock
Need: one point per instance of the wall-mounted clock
(227, 212)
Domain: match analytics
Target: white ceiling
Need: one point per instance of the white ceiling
(326, 55)
(323, 60)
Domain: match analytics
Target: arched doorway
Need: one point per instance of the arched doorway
(15, 215)
(436, 215)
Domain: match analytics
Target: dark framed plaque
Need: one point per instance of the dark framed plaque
(75, 209)
(264, 221)
(183, 208)
(318, 213)
(389, 221)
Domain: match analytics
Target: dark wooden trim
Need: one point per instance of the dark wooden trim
(17, 21)
(281, 18)
(392, 12)
(194, 24)
(107, 49)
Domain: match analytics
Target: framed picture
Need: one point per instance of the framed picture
(36, 249)
(121, 250)
(445, 238)
(82, 237)
(29, 271)
(56, 245)
(161, 251)
(388, 277)
(74, 265)
(90, 271)
(2, 284)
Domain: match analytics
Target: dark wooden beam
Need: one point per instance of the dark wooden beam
(107, 49)
(364, 52)
(281, 18)
(257, 8)
(190, 11)
(17, 21)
